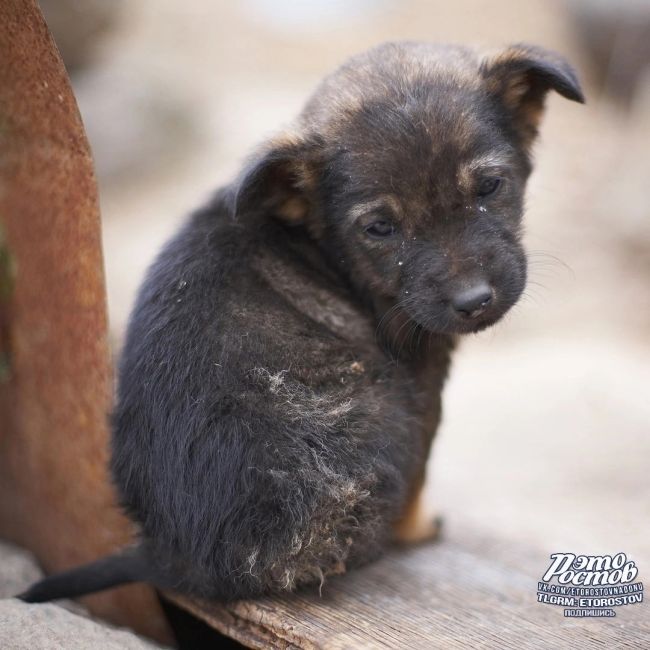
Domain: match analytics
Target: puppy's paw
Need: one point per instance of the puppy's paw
(418, 529)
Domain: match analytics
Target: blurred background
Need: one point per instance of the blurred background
(545, 438)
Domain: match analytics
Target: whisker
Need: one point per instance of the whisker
(553, 261)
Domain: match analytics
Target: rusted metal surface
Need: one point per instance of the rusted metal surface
(55, 380)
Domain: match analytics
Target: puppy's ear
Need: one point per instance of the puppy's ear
(279, 181)
(520, 77)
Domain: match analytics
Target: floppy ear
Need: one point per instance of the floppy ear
(521, 76)
(278, 181)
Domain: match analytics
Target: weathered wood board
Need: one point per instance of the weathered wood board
(461, 592)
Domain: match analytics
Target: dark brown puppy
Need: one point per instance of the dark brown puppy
(280, 384)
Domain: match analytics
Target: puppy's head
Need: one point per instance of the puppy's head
(409, 165)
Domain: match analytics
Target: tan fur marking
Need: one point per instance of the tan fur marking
(492, 162)
(415, 525)
(293, 210)
(386, 200)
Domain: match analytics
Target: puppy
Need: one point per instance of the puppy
(281, 379)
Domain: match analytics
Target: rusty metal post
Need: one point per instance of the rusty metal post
(55, 379)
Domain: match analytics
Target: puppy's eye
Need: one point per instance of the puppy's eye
(380, 229)
(489, 186)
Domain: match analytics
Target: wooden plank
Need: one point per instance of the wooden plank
(463, 592)
(55, 379)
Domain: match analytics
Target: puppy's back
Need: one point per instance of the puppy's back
(253, 432)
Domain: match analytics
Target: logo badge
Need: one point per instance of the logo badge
(590, 585)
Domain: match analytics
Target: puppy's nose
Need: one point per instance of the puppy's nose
(472, 301)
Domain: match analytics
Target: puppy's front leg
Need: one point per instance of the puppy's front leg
(416, 525)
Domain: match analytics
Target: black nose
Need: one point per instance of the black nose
(472, 301)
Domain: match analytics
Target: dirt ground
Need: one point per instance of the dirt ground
(545, 435)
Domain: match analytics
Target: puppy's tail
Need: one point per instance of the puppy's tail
(129, 565)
